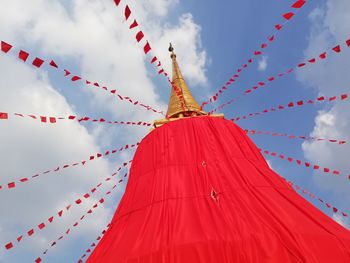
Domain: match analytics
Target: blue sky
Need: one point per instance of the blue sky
(212, 40)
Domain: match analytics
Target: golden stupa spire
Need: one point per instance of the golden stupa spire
(181, 103)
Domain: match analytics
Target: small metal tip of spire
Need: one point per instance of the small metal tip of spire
(171, 48)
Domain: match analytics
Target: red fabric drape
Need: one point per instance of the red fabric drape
(200, 191)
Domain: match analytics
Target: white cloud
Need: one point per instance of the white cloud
(89, 37)
(262, 63)
(330, 25)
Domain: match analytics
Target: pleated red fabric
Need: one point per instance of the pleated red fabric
(200, 191)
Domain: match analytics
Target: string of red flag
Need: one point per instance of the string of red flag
(38, 63)
(140, 38)
(324, 55)
(90, 211)
(62, 212)
(298, 162)
(286, 18)
(52, 120)
(311, 195)
(307, 138)
(290, 105)
(93, 244)
(13, 184)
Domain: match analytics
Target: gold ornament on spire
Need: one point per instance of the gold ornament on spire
(181, 102)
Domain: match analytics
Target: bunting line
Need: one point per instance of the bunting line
(290, 105)
(306, 138)
(323, 56)
(298, 162)
(93, 244)
(53, 120)
(287, 18)
(311, 195)
(38, 63)
(90, 211)
(14, 184)
(140, 38)
(64, 211)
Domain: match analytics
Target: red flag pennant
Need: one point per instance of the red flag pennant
(37, 62)
(127, 12)
(288, 16)
(323, 55)
(76, 78)
(52, 120)
(22, 55)
(154, 59)
(11, 185)
(4, 116)
(41, 226)
(53, 64)
(298, 4)
(19, 238)
(278, 27)
(30, 232)
(134, 24)
(147, 48)
(117, 2)
(5, 47)
(337, 49)
(43, 119)
(139, 36)
(348, 42)
(9, 246)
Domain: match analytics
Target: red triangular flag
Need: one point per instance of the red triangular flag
(76, 78)
(337, 49)
(288, 16)
(298, 4)
(323, 55)
(134, 24)
(127, 12)
(22, 55)
(147, 48)
(139, 36)
(37, 62)
(53, 64)
(5, 47)
(4, 116)
(278, 26)
(348, 42)
(117, 2)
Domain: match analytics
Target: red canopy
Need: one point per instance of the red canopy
(200, 191)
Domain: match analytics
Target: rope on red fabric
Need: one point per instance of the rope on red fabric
(13, 184)
(62, 212)
(298, 162)
(147, 49)
(90, 211)
(53, 120)
(306, 138)
(286, 18)
(290, 105)
(324, 55)
(311, 195)
(38, 63)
